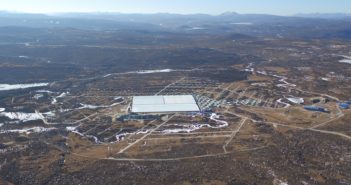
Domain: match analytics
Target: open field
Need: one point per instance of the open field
(66, 97)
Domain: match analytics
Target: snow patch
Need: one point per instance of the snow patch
(325, 79)
(71, 128)
(107, 75)
(38, 96)
(286, 84)
(86, 106)
(22, 116)
(43, 91)
(215, 118)
(187, 128)
(249, 68)
(49, 114)
(276, 181)
(6, 87)
(153, 71)
(197, 28)
(2, 109)
(118, 97)
(242, 23)
(262, 72)
(347, 59)
(62, 95)
(53, 101)
(27, 116)
(296, 100)
(28, 130)
(120, 137)
(64, 110)
(281, 102)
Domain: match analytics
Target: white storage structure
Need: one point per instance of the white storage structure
(164, 104)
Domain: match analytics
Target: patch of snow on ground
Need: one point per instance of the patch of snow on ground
(2, 109)
(53, 101)
(64, 110)
(107, 75)
(71, 128)
(28, 130)
(242, 23)
(249, 68)
(296, 100)
(187, 128)
(286, 84)
(215, 118)
(49, 114)
(276, 181)
(43, 91)
(1, 124)
(86, 106)
(197, 28)
(193, 127)
(38, 96)
(262, 72)
(62, 95)
(283, 79)
(118, 97)
(120, 137)
(6, 87)
(22, 116)
(346, 59)
(286, 104)
(153, 71)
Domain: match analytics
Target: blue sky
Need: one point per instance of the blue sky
(278, 7)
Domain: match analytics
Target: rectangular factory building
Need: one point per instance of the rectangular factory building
(164, 104)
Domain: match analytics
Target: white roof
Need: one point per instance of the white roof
(177, 103)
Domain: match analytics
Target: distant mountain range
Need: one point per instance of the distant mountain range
(256, 25)
(326, 15)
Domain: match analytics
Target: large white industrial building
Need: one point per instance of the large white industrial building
(162, 104)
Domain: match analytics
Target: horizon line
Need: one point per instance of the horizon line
(174, 13)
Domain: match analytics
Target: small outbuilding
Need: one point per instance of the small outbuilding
(344, 106)
(315, 108)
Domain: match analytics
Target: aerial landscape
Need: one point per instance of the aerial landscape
(172, 98)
